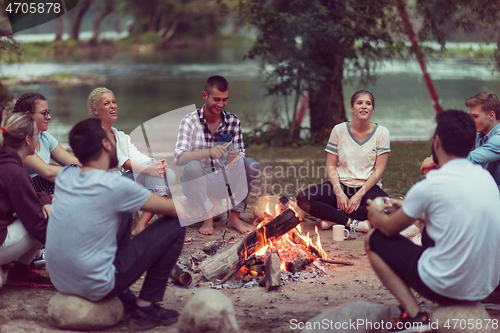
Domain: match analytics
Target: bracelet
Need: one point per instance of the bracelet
(210, 152)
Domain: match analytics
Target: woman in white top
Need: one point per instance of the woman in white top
(102, 105)
(357, 156)
(38, 165)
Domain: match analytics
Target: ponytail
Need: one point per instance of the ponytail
(15, 129)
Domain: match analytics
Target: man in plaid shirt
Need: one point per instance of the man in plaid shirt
(210, 145)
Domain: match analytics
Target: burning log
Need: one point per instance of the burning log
(299, 240)
(223, 262)
(180, 276)
(273, 272)
(298, 264)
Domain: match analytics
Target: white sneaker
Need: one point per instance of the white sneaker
(359, 226)
(410, 232)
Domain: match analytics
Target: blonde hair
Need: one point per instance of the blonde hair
(94, 97)
(17, 128)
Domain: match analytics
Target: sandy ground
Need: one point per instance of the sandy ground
(25, 309)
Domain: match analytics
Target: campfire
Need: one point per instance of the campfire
(277, 245)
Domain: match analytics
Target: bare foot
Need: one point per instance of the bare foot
(207, 228)
(188, 240)
(239, 225)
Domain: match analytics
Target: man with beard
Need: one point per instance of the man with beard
(89, 252)
(455, 250)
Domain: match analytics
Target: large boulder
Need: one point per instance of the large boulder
(208, 311)
(461, 318)
(357, 316)
(76, 313)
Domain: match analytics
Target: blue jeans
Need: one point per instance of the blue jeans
(155, 251)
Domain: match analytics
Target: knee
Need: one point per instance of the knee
(192, 170)
(170, 177)
(367, 240)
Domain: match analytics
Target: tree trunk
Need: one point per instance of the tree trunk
(95, 36)
(59, 29)
(326, 103)
(85, 5)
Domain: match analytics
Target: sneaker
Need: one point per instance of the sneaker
(128, 300)
(158, 316)
(39, 261)
(26, 276)
(359, 226)
(406, 324)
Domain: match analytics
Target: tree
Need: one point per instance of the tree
(83, 7)
(107, 8)
(198, 18)
(59, 29)
(310, 44)
(313, 47)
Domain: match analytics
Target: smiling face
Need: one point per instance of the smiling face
(215, 101)
(106, 108)
(41, 107)
(362, 107)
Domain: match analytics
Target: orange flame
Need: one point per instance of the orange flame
(318, 245)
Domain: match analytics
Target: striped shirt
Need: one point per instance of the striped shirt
(356, 160)
(194, 134)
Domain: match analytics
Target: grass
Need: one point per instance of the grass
(285, 171)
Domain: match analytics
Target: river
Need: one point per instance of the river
(149, 85)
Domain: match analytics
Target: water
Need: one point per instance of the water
(149, 85)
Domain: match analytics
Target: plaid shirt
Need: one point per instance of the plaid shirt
(194, 134)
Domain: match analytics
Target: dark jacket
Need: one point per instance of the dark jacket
(17, 195)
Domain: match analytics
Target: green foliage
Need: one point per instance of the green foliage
(308, 47)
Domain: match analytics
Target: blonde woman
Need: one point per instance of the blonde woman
(102, 105)
(23, 212)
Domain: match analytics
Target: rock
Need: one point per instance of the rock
(469, 318)
(76, 313)
(357, 316)
(208, 311)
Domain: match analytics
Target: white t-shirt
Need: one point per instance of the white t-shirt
(356, 160)
(462, 205)
(81, 233)
(126, 150)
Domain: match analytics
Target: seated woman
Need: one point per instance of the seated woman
(102, 105)
(23, 212)
(38, 165)
(357, 156)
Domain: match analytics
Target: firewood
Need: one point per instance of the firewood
(311, 247)
(347, 263)
(238, 267)
(298, 264)
(180, 276)
(224, 261)
(272, 271)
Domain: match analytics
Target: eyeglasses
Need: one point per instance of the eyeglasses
(46, 114)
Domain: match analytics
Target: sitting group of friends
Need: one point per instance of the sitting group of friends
(81, 210)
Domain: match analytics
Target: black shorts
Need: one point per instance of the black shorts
(402, 257)
(42, 185)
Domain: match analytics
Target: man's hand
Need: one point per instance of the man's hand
(232, 155)
(156, 169)
(428, 165)
(46, 210)
(218, 151)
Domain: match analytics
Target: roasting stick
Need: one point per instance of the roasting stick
(347, 263)
(241, 264)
